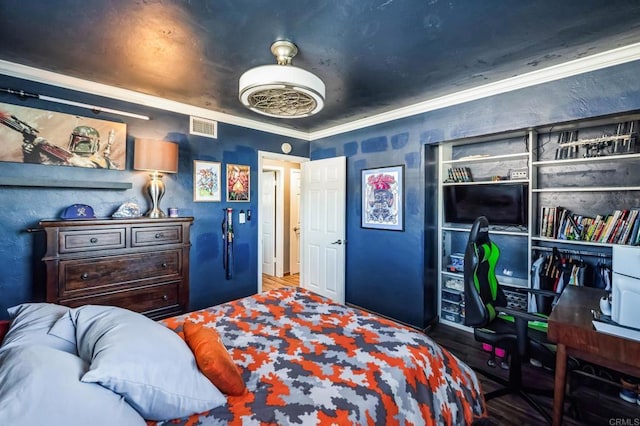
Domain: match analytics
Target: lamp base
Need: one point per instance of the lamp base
(155, 188)
(155, 213)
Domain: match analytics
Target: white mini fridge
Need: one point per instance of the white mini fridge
(625, 286)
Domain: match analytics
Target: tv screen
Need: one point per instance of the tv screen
(502, 204)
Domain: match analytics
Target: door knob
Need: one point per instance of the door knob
(337, 242)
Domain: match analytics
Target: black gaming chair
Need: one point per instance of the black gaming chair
(499, 326)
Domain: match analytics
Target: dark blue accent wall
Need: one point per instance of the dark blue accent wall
(392, 272)
(388, 272)
(21, 274)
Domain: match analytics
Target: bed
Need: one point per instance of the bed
(305, 360)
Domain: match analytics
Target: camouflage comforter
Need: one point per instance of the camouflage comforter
(309, 361)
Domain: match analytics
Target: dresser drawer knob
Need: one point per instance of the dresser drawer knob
(93, 240)
(165, 297)
(84, 276)
(164, 264)
(158, 236)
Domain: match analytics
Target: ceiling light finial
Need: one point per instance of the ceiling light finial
(284, 51)
(282, 90)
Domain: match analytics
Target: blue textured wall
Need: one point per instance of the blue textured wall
(390, 272)
(385, 269)
(22, 207)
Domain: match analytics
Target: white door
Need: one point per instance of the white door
(323, 227)
(294, 221)
(268, 215)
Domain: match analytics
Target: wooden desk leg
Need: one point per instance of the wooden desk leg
(560, 382)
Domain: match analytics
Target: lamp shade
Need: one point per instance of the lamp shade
(156, 156)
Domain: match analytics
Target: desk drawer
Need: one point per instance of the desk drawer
(150, 236)
(79, 241)
(142, 299)
(90, 275)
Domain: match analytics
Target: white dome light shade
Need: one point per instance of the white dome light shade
(282, 91)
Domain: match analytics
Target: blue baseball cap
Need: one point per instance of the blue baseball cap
(78, 211)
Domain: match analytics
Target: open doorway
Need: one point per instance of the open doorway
(279, 220)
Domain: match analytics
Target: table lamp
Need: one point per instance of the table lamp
(156, 157)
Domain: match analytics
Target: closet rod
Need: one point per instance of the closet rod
(572, 251)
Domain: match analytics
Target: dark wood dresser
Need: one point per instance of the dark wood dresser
(139, 264)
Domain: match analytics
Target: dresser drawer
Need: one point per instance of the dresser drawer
(102, 273)
(140, 299)
(88, 240)
(149, 236)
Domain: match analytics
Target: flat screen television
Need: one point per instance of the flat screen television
(502, 204)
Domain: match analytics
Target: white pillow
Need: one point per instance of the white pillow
(148, 364)
(30, 323)
(41, 386)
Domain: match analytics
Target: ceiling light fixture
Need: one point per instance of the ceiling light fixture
(282, 90)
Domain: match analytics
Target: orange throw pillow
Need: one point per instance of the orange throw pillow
(213, 359)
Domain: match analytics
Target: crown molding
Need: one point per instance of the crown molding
(99, 89)
(595, 62)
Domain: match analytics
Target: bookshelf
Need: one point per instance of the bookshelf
(481, 162)
(587, 188)
(586, 198)
(587, 168)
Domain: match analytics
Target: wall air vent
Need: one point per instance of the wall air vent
(203, 127)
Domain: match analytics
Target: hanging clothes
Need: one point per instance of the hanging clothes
(536, 271)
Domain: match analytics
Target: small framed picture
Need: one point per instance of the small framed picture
(383, 198)
(206, 181)
(238, 182)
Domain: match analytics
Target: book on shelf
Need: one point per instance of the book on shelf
(544, 217)
(625, 232)
(615, 226)
(611, 222)
(634, 232)
(553, 223)
(459, 174)
(622, 226)
(593, 227)
(601, 227)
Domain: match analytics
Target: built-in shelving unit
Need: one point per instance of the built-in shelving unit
(483, 162)
(601, 177)
(587, 167)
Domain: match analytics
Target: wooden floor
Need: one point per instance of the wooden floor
(597, 404)
(270, 282)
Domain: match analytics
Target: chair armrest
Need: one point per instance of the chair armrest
(516, 313)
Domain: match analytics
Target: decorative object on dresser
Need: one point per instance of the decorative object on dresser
(157, 157)
(138, 264)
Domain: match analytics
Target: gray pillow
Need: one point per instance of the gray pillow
(30, 324)
(145, 362)
(41, 386)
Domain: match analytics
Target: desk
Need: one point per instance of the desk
(571, 329)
